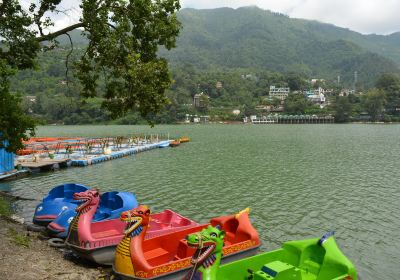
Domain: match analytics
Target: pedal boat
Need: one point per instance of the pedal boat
(184, 139)
(170, 256)
(311, 259)
(97, 241)
(59, 199)
(110, 207)
(174, 143)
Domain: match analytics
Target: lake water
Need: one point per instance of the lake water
(300, 181)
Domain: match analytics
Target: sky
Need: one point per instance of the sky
(364, 16)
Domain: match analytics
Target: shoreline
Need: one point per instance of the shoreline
(27, 255)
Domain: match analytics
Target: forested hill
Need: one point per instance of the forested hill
(250, 37)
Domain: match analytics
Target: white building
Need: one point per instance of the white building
(317, 96)
(280, 93)
(200, 100)
(346, 92)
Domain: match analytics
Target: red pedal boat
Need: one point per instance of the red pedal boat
(97, 241)
(169, 256)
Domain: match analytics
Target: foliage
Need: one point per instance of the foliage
(297, 104)
(5, 208)
(342, 108)
(253, 38)
(390, 84)
(119, 64)
(19, 239)
(14, 124)
(246, 50)
(373, 102)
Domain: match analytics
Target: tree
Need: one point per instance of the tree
(343, 109)
(297, 104)
(123, 40)
(373, 102)
(390, 84)
(296, 81)
(13, 122)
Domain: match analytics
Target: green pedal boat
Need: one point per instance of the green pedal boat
(311, 259)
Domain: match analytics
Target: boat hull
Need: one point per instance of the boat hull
(179, 274)
(102, 255)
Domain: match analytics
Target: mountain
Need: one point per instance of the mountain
(250, 37)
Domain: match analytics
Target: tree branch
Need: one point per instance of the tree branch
(67, 60)
(60, 32)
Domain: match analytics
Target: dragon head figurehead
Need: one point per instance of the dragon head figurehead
(89, 198)
(208, 243)
(136, 219)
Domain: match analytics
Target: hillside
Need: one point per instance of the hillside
(250, 37)
(245, 51)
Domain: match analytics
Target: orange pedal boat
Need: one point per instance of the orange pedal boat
(174, 143)
(169, 256)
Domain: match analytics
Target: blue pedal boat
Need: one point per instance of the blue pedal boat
(112, 204)
(58, 199)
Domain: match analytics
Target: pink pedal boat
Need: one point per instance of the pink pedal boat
(97, 241)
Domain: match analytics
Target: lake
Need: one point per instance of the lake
(300, 181)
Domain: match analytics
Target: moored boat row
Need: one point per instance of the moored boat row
(166, 245)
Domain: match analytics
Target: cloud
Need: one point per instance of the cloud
(365, 16)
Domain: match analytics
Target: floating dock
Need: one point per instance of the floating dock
(49, 154)
(14, 174)
(53, 153)
(117, 154)
(46, 165)
(293, 119)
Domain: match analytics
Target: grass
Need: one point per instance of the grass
(5, 208)
(19, 239)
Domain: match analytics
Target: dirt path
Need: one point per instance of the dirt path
(25, 256)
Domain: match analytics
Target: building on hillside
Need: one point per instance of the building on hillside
(218, 85)
(346, 92)
(31, 98)
(314, 81)
(236, 112)
(280, 93)
(200, 100)
(196, 119)
(270, 108)
(316, 96)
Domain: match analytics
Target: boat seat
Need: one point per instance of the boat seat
(106, 233)
(310, 266)
(184, 250)
(311, 259)
(229, 238)
(157, 256)
(280, 271)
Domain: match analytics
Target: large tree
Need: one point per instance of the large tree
(342, 108)
(390, 84)
(123, 41)
(297, 103)
(373, 102)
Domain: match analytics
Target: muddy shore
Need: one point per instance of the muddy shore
(26, 255)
